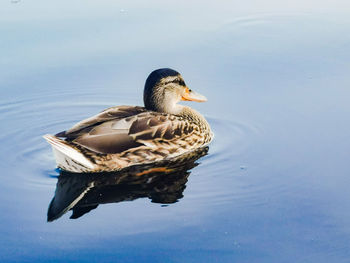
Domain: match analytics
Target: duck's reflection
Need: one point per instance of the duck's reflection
(163, 182)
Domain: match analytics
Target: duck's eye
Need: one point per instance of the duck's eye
(177, 81)
(182, 83)
(189, 90)
(174, 81)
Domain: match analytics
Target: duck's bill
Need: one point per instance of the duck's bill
(193, 96)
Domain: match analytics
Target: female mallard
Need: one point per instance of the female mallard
(122, 136)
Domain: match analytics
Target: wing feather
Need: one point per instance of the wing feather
(116, 130)
(113, 113)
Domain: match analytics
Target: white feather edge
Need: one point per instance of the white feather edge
(68, 151)
(74, 202)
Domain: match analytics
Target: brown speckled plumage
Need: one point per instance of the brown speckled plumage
(122, 136)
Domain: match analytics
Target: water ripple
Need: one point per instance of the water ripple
(30, 118)
(231, 140)
(27, 120)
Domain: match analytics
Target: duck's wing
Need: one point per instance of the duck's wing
(113, 113)
(151, 129)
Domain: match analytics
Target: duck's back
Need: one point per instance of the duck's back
(122, 136)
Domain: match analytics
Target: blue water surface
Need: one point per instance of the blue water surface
(274, 186)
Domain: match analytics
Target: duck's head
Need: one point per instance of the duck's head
(164, 88)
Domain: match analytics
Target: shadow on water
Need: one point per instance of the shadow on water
(162, 182)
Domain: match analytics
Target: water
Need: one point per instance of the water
(274, 184)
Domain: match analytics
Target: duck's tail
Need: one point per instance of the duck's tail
(67, 157)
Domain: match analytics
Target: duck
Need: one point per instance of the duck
(123, 136)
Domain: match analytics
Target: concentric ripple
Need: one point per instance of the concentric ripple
(220, 179)
(231, 139)
(27, 120)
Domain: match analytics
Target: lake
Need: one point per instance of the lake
(273, 185)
